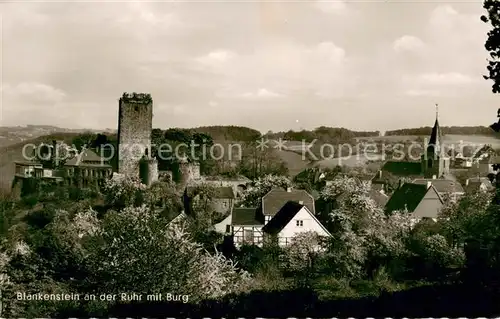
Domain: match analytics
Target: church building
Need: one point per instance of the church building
(433, 164)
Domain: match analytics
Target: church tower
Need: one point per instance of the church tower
(434, 161)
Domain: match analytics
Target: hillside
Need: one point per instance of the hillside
(223, 135)
(11, 135)
(454, 130)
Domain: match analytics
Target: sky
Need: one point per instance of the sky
(269, 65)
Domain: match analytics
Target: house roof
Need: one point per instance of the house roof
(274, 200)
(245, 216)
(282, 217)
(224, 192)
(494, 160)
(84, 157)
(392, 170)
(408, 196)
(28, 163)
(436, 137)
(221, 192)
(474, 184)
(442, 185)
(378, 197)
(238, 178)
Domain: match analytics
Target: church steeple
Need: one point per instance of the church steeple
(435, 140)
(435, 163)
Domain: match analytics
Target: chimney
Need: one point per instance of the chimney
(301, 202)
(429, 184)
(288, 189)
(380, 174)
(400, 183)
(467, 182)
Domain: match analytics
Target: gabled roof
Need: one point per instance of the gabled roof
(274, 200)
(408, 196)
(244, 216)
(391, 170)
(442, 185)
(84, 157)
(283, 217)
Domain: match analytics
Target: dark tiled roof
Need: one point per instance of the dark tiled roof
(283, 217)
(379, 198)
(315, 194)
(494, 160)
(238, 178)
(436, 137)
(394, 169)
(245, 216)
(28, 163)
(273, 201)
(475, 183)
(407, 196)
(84, 157)
(224, 192)
(442, 185)
(218, 191)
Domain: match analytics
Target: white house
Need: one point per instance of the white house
(281, 216)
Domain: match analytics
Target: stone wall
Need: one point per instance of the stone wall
(135, 122)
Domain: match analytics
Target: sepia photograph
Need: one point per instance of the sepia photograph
(249, 158)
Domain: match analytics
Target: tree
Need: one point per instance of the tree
(122, 190)
(260, 187)
(85, 140)
(134, 250)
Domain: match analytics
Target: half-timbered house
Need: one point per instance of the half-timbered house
(281, 215)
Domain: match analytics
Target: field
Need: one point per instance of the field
(291, 155)
(453, 139)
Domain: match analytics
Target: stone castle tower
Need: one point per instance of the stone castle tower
(135, 123)
(435, 162)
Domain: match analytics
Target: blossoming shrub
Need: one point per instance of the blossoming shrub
(122, 190)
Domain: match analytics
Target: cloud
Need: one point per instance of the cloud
(278, 67)
(215, 57)
(261, 94)
(335, 6)
(408, 43)
(440, 79)
(199, 60)
(440, 84)
(423, 93)
(32, 93)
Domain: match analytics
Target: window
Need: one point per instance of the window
(248, 236)
(228, 229)
(300, 223)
